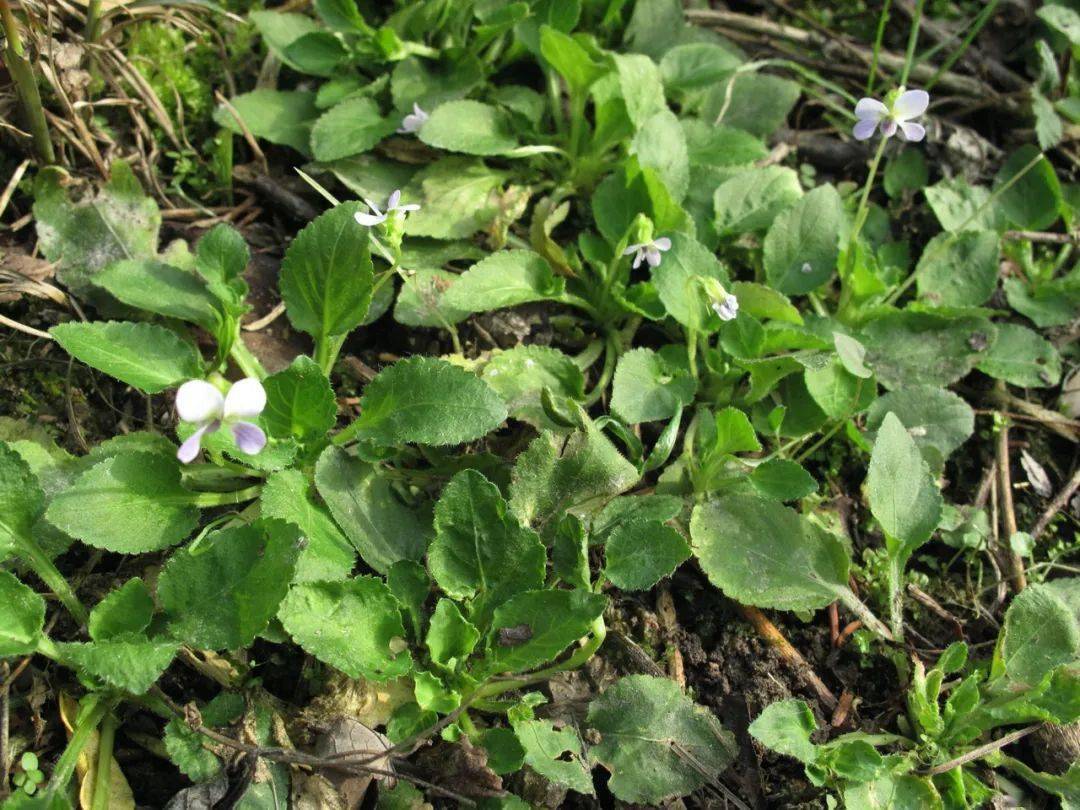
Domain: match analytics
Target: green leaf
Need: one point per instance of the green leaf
(661, 145)
(556, 475)
(903, 495)
(480, 551)
(554, 620)
(852, 354)
(675, 280)
(647, 388)
(1049, 128)
(451, 637)
(555, 754)
(1023, 358)
(959, 269)
(783, 480)
(785, 727)
(458, 196)
(640, 86)
(720, 148)
(760, 553)
(905, 171)
(421, 299)
(425, 400)
(619, 511)
(326, 552)
(326, 275)
(83, 237)
(837, 391)
(734, 433)
(378, 525)
(130, 503)
(160, 288)
(519, 375)
(145, 355)
(751, 200)
(354, 626)
(936, 419)
(300, 403)
(570, 553)
(757, 102)
(279, 116)
(349, 128)
(934, 349)
(126, 610)
(432, 695)
(1040, 633)
(503, 279)
(129, 662)
(958, 204)
(185, 748)
(803, 242)
(656, 742)
(1034, 202)
(222, 594)
(640, 553)
(1061, 18)
(471, 127)
(22, 617)
(893, 792)
(21, 500)
(697, 66)
(571, 60)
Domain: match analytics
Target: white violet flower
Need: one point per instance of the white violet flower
(392, 205)
(200, 403)
(413, 121)
(648, 251)
(908, 104)
(727, 307)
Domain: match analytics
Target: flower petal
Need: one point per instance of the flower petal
(372, 206)
(369, 220)
(652, 256)
(888, 127)
(870, 108)
(198, 401)
(632, 249)
(409, 207)
(912, 131)
(249, 438)
(863, 130)
(663, 243)
(395, 198)
(246, 399)
(189, 450)
(910, 104)
(418, 111)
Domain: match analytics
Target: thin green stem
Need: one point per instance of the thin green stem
(925, 261)
(103, 773)
(896, 596)
(611, 354)
(22, 75)
(883, 20)
(326, 351)
(88, 720)
(348, 433)
(205, 500)
(913, 38)
(93, 20)
(869, 620)
(809, 451)
(980, 20)
(691, 350)
(53, 579)
(864, 204)
(247, 362)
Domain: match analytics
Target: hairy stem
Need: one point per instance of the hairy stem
(42, 566)
(22, 75)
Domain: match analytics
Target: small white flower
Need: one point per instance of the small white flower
(200, 403)
(908, 104)
(648, 251)
(392, 205)
(727, 308)
(413, 121)
(807, 267)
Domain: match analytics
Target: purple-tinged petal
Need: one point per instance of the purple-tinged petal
(638, 256)
(663, 243)
(870, 108)
(249, 438)
(863, 129)
(910, 104)
(395, 198)
(189, 450)
(888, 127)
(912, 131)
(632, 249)
(652, 256)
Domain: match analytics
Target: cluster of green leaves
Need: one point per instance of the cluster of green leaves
(1033, 677)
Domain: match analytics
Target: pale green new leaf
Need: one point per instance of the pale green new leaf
(223, 593)
(760, 553)
(458, 196)
(656, 742)
(785, 727)
(519, 375)
(349, 128)
(145, 355)
(451, 637)
(640, 553)
(470, 127)
(326, 275)
(278, 116)
(380, 527)
(903, 495)
(354, 626)
(660, 144)
(425, 400)
(22, 617)
(128, 609)
(132, 502)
